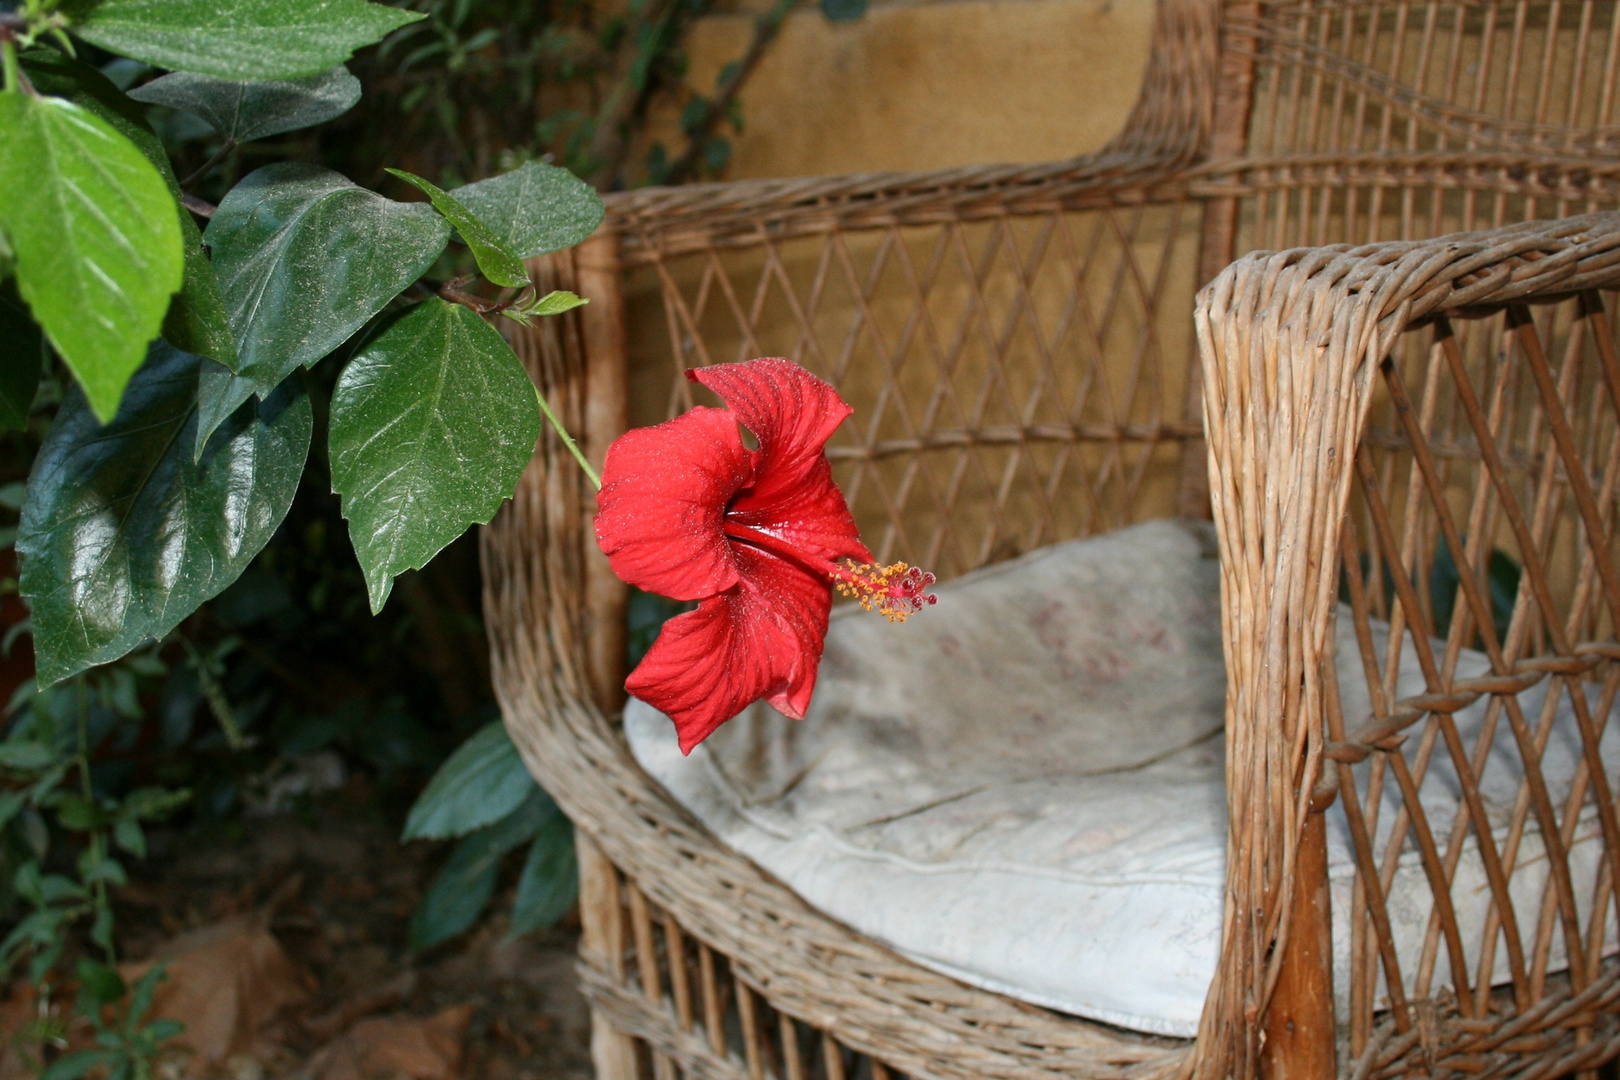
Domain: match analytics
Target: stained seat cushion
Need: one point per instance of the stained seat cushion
(1024, 787)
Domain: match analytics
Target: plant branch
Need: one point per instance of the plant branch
(568, 440)
(15, 79)
(219, 155)
(607, 138)
(197, 206)
(765, 30)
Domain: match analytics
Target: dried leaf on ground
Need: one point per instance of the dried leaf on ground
(422, 1048)
(226, 983)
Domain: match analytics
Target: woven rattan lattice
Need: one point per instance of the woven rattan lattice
(1434, 395)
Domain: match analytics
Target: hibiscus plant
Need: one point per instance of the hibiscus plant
(176, 333)
(176, 457)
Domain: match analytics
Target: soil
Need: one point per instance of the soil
(285, 944)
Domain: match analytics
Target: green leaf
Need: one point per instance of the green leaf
(22, 357)
(96, 235)
(458, 895)
(153, 803)
(78, 814)
(535, 208)
(243, 111)
(161, 1030)
(482, 782)
(42, 889)
(495, 260)
(462, 888)
(549, 883)
(124, 534)
(843, 10)
(98, 983)
(140, 1002)
(433, 422)
(27, 756)
(77, 1063)
(94, 868)
(305, 258)
(556, 302)
(129, 835)
(245, 39)
(195, 321)
(10, 803)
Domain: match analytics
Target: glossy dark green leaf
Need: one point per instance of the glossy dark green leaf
(244, 39)
(432, 424)
(495, 261)
(462, 888)
(22, 356)
(96, 236)
(305, 258)
(482, 782)
(535, 208)
(195, 321)
(123, 534)
(245, 110)
(549, 883)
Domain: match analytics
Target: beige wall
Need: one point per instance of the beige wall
(924, 85)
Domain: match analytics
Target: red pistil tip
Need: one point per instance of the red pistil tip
(896, 591)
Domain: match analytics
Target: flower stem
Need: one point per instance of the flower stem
(568, 440)
(8, 49)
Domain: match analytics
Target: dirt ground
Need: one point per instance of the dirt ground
(284, 940)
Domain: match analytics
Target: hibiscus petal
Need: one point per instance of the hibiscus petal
(792, 414)
(790, 411)
(811, 517)
(663, 500)
(761, 638)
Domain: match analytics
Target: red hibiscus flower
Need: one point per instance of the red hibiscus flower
(759, 537)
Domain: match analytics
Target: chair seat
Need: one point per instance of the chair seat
(1024, 787)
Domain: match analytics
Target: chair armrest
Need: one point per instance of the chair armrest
(1290, 343)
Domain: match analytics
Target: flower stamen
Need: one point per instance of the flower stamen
(896, 591)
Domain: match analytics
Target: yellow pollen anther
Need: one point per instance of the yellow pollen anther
(895, 591)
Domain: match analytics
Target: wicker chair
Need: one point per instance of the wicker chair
(1018, 347)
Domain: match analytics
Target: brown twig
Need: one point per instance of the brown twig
(626, 96)
(198, 206)
(765, 30)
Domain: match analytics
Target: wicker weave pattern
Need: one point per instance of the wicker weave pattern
(1016, 344)
(867, 998)
(1011, 378)
(1518, 451)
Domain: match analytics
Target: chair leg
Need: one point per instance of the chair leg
(1299, 1026)
(602, 941)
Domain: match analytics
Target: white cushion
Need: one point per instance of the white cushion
(1024, 786)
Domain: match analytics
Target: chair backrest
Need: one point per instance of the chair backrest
(1376, 121)
(1015, 340)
